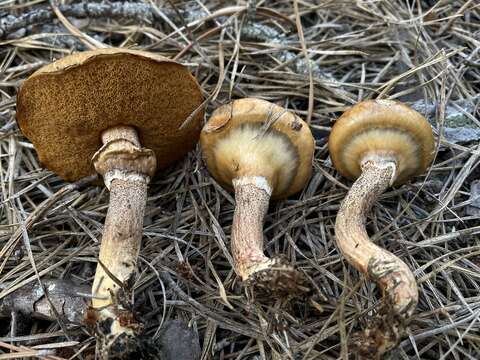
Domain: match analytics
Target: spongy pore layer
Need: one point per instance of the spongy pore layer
(63, 108)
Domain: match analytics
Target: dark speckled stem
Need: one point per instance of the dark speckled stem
(126, 168)
(122, 236)
(267, 276)
(390, 273)
(247, 229)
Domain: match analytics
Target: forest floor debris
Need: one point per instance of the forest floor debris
(423, 52)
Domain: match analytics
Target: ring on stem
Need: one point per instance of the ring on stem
(259, 151)
(95, 111)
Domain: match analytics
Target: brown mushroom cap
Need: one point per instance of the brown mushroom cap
(287, 129)
(65, 106)
(383, 127)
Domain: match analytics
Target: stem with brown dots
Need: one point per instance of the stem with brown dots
(265, 275)
(126, 168)
(247, 229)
(390, 273)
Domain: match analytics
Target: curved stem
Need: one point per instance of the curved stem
(247, 228)
(390, 273)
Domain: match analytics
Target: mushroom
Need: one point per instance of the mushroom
(120, 113)
(378, 143)
(258, 150)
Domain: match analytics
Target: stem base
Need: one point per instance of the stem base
(382, 333)
(118, 335)
(277, 277)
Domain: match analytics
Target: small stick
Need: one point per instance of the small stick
(71, 301)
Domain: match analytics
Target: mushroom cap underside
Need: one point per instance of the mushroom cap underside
(274, 142)
(64, 107)
(386, 128)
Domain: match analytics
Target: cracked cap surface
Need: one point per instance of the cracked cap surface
(65, 106)
(382, 127)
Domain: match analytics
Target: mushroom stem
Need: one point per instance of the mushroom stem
(252, 201)
(390, 273)
(121, 240)
(126, 169)
(265, 275)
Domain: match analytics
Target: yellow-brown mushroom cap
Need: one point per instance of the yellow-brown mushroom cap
(386, 128)
(252, 137)
(65, 106)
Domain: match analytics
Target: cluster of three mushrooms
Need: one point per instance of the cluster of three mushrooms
(126, 99)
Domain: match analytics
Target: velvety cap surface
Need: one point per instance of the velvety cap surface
(382, 127)
(64, 107)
